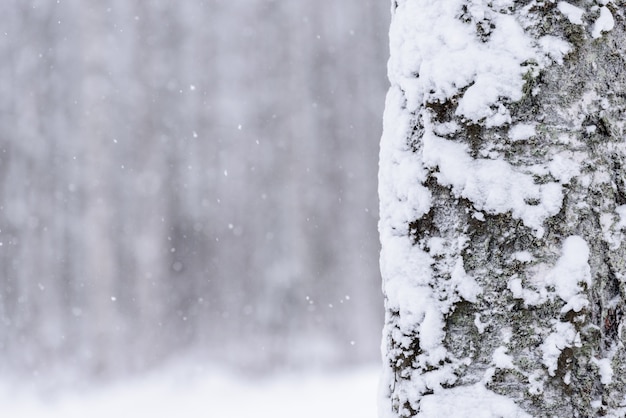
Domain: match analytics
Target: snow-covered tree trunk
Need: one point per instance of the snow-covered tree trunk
(503, 209)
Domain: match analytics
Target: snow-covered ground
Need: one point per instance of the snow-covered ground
(174, 393)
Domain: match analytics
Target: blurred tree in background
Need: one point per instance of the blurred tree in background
(189, 176)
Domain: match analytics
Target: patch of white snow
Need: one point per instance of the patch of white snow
(201, 394)
(463, 283)
(530, 297)
(502, 360)
(564, 168)
(522, 131)
(570, 271)
(472, 401)
(480, 326)
(523, 256)
(604, 23)
(555, 48)
(605, 369)
(565, 336)
(572, 13)
(492, 185)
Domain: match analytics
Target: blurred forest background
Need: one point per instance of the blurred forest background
(189, 178)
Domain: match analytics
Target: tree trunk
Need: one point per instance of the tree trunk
(503, 209)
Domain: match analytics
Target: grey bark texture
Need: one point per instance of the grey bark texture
(553, 373)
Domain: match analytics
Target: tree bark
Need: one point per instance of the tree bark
(503, 210)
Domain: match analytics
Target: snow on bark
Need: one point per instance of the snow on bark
(502, 203)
